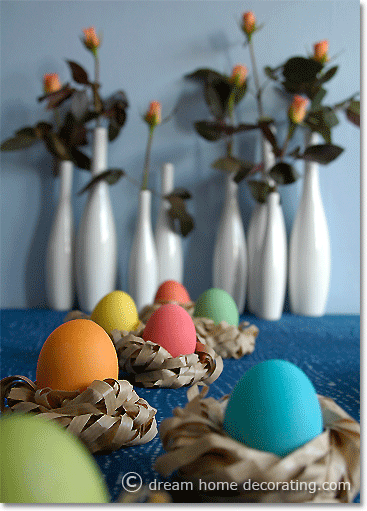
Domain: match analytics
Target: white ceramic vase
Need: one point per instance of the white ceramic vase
(143, 265)
(309, 256)
(255, 234)
(96, 247)
(230, 253)
(272, 269)
(168, 241)
(60, 287)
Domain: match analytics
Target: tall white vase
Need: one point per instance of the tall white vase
(60, 287)
(255, 234)
(310, 261)
(96, 247)
(168, 242)
(272, 270)
(230, 253)
(143, 266)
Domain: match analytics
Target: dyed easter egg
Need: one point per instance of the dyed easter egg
(273, 408)
(218, 305)
(41, 463)
(74, 355)
(116, 310)
(172, 291)
(172, 328)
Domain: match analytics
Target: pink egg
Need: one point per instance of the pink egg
(172, 328)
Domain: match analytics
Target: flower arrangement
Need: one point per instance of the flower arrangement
(69, 131)
(302, 79)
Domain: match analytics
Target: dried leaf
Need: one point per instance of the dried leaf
(111, 176)
(78, 73)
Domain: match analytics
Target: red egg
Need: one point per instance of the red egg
(172, 291)
(172, 328)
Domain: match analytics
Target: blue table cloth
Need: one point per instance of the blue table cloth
(327, 349)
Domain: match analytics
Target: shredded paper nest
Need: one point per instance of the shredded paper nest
(153, 366)
(106, 416)
(202, 453)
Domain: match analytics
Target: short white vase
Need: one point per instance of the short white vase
(168, 241)
(143, 266)
(96, 247)
(255, 234)
(309, 256)
(272, 269)
(60, 289)
(230, 253)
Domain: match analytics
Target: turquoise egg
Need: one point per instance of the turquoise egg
(218, 305)
(273, 408)
(41, 463)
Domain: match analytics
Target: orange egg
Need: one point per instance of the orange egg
(74, 355)
(172, 327)
(172, 291)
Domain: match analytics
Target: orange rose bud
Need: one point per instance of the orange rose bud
(248, 22)
(91, 40)
(321, 51)
(153, 115)
(51, 83)
(239, 75)
(297, 110)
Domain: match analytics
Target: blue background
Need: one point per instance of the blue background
(148, 46)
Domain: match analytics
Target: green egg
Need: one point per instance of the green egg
(218, 305)
(41, 463)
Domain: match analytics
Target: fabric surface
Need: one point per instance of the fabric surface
(327, 349)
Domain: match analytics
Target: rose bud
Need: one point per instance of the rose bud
(91, 40)
(321, 51)
(297, 110)
(51, 83)
(248, 23)
(153, 115)
(239, 75)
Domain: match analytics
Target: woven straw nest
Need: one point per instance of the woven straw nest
(226, 340)
(106, 416)
(153, 366)
(326, 469)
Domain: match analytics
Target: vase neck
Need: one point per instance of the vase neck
(231, 189)
(268, 157)
(167, 178)
(66, 179)
(272, 201)
(100, 143)
(145, 199)
(311, 176)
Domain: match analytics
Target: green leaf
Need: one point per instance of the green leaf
(269, 135)
(240, 92)
(322, 153)
(23, 138)
(57, 98)
(328, 75)
(113, 131)
(316, 101)
(179, 192)
(234, 166)
(245, 170)
(216, 94)
(78, 73)
(204, 75)
(270, 73)
(42, 129)
(211, 131)
(301, 70)
(316, 122)
(260, 190)
(111, 176)
(284, 174)
(330, 117)
(80, 159)
(178, 211)
(353, 112)
(57, 146)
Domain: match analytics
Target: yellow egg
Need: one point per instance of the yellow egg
(117, 310)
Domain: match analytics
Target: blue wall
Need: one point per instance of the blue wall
(147, 48)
